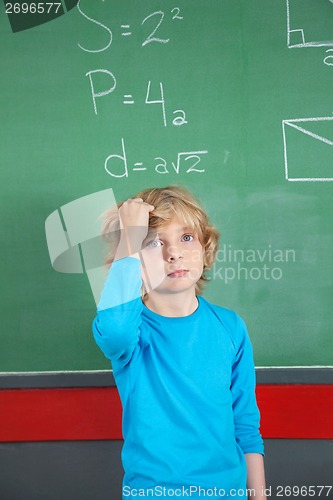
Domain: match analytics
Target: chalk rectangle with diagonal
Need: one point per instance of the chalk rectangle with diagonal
(308, 149)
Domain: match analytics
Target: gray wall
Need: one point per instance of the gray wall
(91, 470)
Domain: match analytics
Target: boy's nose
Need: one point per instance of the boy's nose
(173, 253)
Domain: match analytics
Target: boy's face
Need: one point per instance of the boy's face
(173, 259)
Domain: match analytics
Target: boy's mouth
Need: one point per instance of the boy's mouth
(179, 273)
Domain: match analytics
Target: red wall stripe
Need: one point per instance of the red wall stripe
(296, 411)
(60, 414)
(287, 411)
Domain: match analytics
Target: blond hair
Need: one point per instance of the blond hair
(170, 202)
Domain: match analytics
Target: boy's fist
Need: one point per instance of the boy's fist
(134, 220)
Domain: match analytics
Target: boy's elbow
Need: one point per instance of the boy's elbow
(114, 338)
(250, 440)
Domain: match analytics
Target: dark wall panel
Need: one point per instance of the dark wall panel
(92, 470)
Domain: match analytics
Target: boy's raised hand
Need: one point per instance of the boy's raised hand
(134, 219)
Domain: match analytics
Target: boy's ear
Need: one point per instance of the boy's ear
(204, 260)
(207, 259)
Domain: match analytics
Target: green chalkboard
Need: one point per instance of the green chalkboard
(231, 98)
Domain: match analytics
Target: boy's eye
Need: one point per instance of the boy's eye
(187, 237)
(153, 243)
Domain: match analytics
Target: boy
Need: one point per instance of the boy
(183, 367)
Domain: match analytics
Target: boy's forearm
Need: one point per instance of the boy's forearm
(130, 244)
(255, 476)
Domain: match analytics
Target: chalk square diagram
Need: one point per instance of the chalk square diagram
(308, 149)
(309, 23)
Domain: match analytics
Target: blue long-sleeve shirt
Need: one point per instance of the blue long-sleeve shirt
(187, 390)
